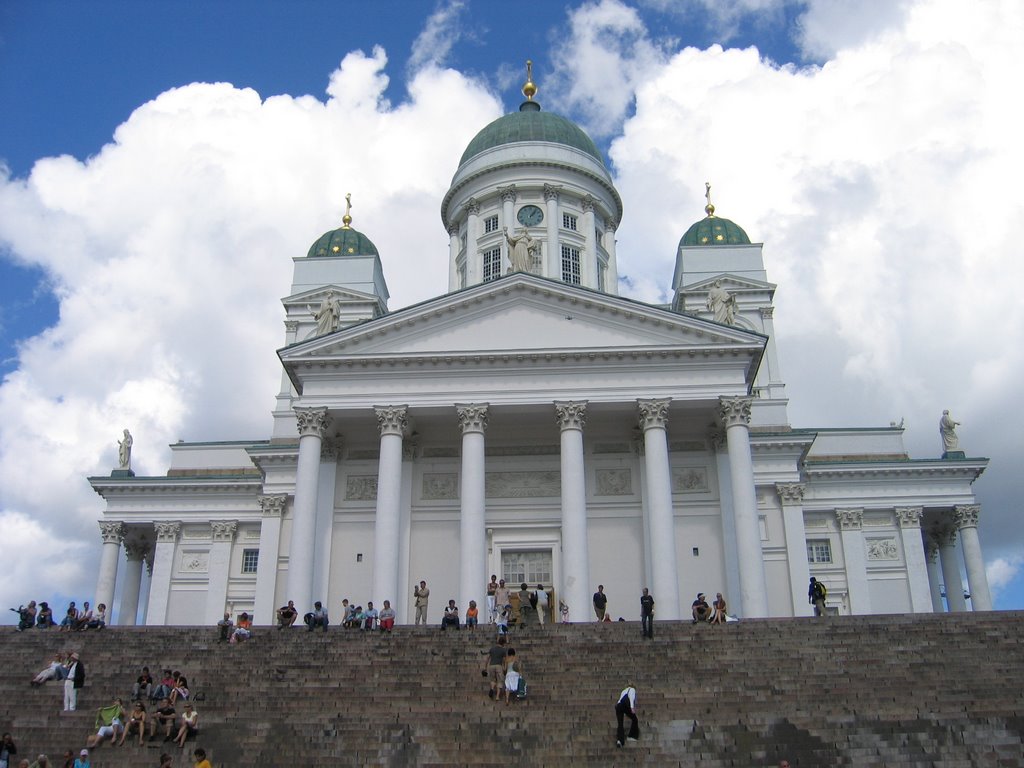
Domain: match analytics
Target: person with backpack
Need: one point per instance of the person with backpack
(816, 594)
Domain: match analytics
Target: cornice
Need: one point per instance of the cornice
(920, 468)
(105, 486)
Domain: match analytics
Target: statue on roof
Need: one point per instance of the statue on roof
(947, 430)
(521, 250)
(124, 451)
(722, 304)
(327, 315)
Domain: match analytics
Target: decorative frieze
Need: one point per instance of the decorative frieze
(689, 479)
(112, 533)
(523, 485)
(224, 530)
(882, 549)
(311, 421)
(272, 506)
(790, 494)
(716, 437)
(364, 454)
(614, 482)
(361, 487)
(440, 452)
(571, 414)
(909, 517)
(734, 410)
(440, 485)
(850, 519)
(602, 448)
(653, 413)
(472, 417)
(195, 562)
(167, 532)
(966, 515)
(392, 419)
(541, 449)
(682, 446)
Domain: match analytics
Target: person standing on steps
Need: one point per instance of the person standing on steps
(625, 706)
(600, 602)
(492, 589)
(73, 683)
(647, 614)
(422, 595)
(816, 594)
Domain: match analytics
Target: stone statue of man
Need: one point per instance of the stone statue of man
(947, 429)
(327, 315)
(520, 251)
(124, 451)
(722, 304)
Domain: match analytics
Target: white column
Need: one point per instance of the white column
(312, 423)
(128, 614)
(571, 418)
(909, 519)
(113, 535)
(508, 221)
(392, 421)
(588, 265)
(662, 524)
(453, 258)
(735, 414)
(851, 532)
(966, 518)
(553, 267)
(951, 571)
(330, 450)
(931, 550)
(410, 450)
(163, 569)
(728, 518)
(792, 497)
(473, 511)
(474, 263)
(272, 507)
(219, 568)
(612, 281)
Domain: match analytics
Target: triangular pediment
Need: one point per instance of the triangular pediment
(732, 283)
(316, 295)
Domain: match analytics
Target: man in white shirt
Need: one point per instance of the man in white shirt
(542, 603)
(626, 706)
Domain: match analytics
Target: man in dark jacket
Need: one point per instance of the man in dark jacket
(75, 680)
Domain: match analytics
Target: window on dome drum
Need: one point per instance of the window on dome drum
(602, 269)
(492, 264)
(462, 274)
(490, 224)
(570, 265)
(819, 551)
(532, 567)
(568, 221)
(250, 560)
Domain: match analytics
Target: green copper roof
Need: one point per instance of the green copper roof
(714, 230)
(342, 242)
(531, 125)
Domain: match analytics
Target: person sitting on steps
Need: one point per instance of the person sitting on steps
(700, 608)
(451, 616)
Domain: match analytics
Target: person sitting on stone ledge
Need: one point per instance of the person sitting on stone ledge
(84, 617)
(163, 716)
(225, 627)
(143, 685)
(286, 615)
(163, 691)
(70, 618)
(718, 615)
(243, 629)
(180, 689)
(387, 617)
(451, 616)
(317, 617)
(109, 724)
(369, 615)
(700, 609)
(99, 618)
(189, 725)
(55, 671)
(45, 620)
(472, 615)
(26, 615)
(136, 723)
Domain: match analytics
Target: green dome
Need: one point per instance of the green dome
(714, 230)
(531, 124)
(342, 242)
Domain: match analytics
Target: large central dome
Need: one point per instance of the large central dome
(531, 124)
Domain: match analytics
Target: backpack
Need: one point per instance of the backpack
(521, 688)
(819, 591)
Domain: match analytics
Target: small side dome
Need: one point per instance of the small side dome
(714, 230)
(343, 241)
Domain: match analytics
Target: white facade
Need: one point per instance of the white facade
(534, 423)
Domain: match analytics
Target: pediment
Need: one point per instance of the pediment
(732, 283)
(316, 295)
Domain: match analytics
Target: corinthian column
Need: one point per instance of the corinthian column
(792, 497)
(571, 418)
(735, 415)
(312, 424)
(392, 422)
(909, 519)
(163, 569)
(272, 508)
(661, 524)
(472, 519)
(453, 258)
(219, 569)
(134, 552)
(931, 553)
(951, 571)
(851, 531)
(553, 265)
(966, 518)
(113, 535)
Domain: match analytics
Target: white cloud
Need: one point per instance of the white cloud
(1003, 571)
(439, 35)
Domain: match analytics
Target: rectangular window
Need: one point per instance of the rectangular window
(819, 551)
(568, 221)
(570, 265)
(532, 567)
(490, 224)
(250, 560)
(492, 264)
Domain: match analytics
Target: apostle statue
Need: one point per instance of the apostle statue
(947, 429)
(124, 451)
(520, 251)
(722, 304)
(327, 315)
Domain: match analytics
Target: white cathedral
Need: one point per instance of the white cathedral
(532, 423)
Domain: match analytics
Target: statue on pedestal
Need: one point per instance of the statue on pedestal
(947, 429)
(722, 304)
(520, 251)
(124, 451)
(327, 315)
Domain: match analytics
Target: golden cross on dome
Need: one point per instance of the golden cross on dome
(529, 87)
(709, 209)
(346, 220)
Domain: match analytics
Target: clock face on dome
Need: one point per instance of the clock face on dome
(530, 216)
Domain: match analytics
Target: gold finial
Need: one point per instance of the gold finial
(346, 220)
(709, 209)
(529, 87)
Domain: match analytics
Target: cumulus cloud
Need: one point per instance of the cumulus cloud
(1001, 573)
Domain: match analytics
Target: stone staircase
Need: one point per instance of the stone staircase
(942, 691)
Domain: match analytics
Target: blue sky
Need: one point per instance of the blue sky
(866, 143)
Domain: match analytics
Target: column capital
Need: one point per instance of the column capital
(508, 194)
(167, 532)
(291, 325)
(331, 448)
(767, 312)
(472, 206)
(551, 192)
(909, 517)
(112, 533)
(931, 548)
(272, 505)
(392, 419)
(791, 494)
(850, 519)
(136, 550)
(653, 413)
(735, 410)
(571, 414)
(224, 530)
(472, 417)
(966, 515)
(311, 421)
(453, 229)
(587, 203)
(610, 226)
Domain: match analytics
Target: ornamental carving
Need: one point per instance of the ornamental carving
(410, 448)
(112, 533)
(850, 519)
(909, 517)
(931, 549)
(195, 562)
(522, 485)
(614, 482)
(167, 532)
(453, 229)
(272, 506)
(587, 203)
(224, 530)
(610, 227)
(292, 326)
(331, 448)
(472, 206)
(508, 194)
(392, 419)
(689, 479)
(716, 437)
(966, 515)
(791, 494)
(135, 550)
(440, 485)
(472, 417)
(653, 413)
(361, 487)
(734, 410)
(311, 421)
(571, 414)
(550, 192)
(883, 549)
(767, 312)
